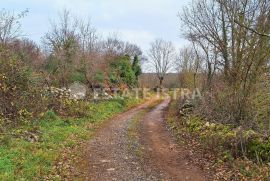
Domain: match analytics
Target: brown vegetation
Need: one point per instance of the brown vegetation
(72, 52)
(233, 59)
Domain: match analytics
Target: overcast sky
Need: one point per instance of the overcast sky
(137, 21)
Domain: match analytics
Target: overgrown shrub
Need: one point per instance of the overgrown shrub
(20, 97)
(237, 141)
(76, 108)
(227, 105)
(259, 150)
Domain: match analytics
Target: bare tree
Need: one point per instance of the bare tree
(87, 36)
(162, 56)
(114, 46)
(188, 64)
(29, 52)
(234, 38)
(132, 50)
(62, 44)
(229, 27)
(10, 26)
(90, 61)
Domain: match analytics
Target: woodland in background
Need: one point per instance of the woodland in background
(150, 80)
(72, 51)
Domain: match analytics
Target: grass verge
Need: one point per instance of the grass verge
(31, 152)
(134, 144)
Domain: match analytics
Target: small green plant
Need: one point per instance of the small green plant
(50, 115)
(5, 140)
(259, 150)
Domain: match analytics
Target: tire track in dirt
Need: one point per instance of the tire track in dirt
(110, 158)
(161, 150)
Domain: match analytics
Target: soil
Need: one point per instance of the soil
(169, 157)
(154, 155)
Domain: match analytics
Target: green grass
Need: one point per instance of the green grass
(21, 159)
(134, 144)
(133, 134)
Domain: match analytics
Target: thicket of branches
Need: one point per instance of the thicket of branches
(72, 51)
(229, 59)
(161, 57)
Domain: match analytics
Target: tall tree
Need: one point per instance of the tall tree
(10, 26)
(234, 34)
(62, 44)
(188, 64)
(121, 72)
(136, 67)
(162, 56)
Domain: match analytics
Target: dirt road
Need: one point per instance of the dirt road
(137, 146)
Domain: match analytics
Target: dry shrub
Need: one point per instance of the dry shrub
(227, 105)
(20, 96)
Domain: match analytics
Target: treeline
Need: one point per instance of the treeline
(228, 58)
(72, 51)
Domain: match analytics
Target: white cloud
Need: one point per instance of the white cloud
(140, 37)
(137, 21)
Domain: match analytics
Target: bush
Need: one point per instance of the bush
(238, 142)
(75, 108)
(228, 105)
(121, 72)
(20, 96)
(77, 76)
(99, 77)
(50, 115)
(259, 150)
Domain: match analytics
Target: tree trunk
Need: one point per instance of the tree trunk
(161, 82)
(225, 44)
(194, 80)
(209, 76)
